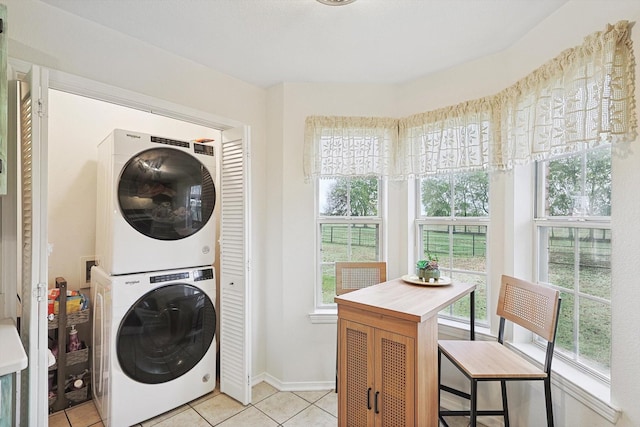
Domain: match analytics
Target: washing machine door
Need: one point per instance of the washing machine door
(166, 333)
(166, 194)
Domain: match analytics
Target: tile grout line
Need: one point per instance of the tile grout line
(324, 410)
(308, 404)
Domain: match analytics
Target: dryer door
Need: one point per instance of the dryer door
(166, 194)
(166, 333)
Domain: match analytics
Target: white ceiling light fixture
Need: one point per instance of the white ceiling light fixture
(336, 2)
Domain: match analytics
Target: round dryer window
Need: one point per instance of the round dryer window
(166, 194)
(166, 333)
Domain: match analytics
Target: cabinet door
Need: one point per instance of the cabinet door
(394, 379)
(356, 387)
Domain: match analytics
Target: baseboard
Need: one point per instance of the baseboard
(292, 386)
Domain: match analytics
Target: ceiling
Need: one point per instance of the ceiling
(265, 42)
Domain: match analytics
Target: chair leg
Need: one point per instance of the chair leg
(548, 403)
(440, 417)
(473, 410)
(505, 404)
(439, 377)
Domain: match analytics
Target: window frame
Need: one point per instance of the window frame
(451, 221)
(320, 220)
(542, 221)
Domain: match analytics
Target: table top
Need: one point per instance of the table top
(399, 299)
(12, 357)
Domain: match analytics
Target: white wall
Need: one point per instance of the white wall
(289, 349)
(299, 353)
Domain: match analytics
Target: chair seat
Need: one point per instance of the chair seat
(489, 359)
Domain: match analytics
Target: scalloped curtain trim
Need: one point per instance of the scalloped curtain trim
(581, 99)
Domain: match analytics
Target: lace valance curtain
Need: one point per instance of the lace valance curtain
(350, 146)
(450, 139)
(582, 98)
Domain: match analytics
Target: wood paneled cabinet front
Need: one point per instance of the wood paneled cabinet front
(376, 386)
(388, 353)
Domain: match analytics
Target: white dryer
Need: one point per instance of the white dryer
(155, 203)
(154, 345)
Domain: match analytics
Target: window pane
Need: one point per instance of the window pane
(561, 256)
(595, 262)
(350, 242)
(328, 283)
(469, 247)
(578, 185)
(471, 194)
(325, 187)
(435, 241)
(598, 182)
(365, 242)
(580, 265)
(595, 334)
(566, 326)
(348, 197)
(335, 239)
(460, 309)
(468, 251)
(363, 197)
(435, 196)
(562, 184)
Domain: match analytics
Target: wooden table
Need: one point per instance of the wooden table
(388, 353)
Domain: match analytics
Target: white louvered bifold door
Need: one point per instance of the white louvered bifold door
(235, 332)
(33, 327)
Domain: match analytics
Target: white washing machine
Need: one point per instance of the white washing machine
(155, 203)
(154, 345)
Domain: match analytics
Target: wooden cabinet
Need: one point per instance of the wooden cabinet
(380, 370)
(388, 353)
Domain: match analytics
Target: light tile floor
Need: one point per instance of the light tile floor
(270, 408)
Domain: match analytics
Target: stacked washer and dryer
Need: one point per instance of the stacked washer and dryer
(154, 286)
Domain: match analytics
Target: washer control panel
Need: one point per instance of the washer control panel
(203, 274)
(169, 277)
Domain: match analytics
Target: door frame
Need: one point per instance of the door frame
(69, 83)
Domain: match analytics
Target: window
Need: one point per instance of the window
(349, 228)
(574, 252)
(452, 225)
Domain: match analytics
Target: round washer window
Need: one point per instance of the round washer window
(166, 194)
(166, 333)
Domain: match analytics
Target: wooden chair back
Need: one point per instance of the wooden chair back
(351, 276)
(529, 305)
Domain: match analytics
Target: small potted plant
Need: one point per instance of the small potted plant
(427, 269)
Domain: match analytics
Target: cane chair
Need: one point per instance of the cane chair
(351, 276)
(532, 306)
